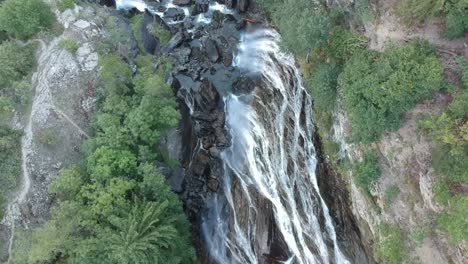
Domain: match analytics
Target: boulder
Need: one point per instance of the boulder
(182, 2)
(211, 50)
(201, 6)
(175, 13)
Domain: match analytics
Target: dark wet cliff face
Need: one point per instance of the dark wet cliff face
(250, 165)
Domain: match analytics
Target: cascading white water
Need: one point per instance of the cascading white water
(271, 155)
(272, 152)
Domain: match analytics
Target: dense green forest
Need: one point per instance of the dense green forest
(115, 207)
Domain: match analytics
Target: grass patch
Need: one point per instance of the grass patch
(390, 247)
(69, 45)
(391, 193)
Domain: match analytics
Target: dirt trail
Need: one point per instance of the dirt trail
(388, 28)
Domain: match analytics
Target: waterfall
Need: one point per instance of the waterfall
(272, 154)
(271, 158)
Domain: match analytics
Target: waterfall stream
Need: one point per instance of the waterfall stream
(271, 153)
(272, 156)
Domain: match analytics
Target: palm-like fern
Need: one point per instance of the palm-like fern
(142, 237)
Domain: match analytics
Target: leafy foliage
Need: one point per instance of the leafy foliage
(379, 87)
(367, 172)
(24, 18)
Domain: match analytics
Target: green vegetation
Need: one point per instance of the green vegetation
(25, 18)
(116, 207)
(420, 234)
(449, 130)
(10, 167)
(378, 88)
(390, 247)
(367, 172)
(69, 45)
(455, 12)
(391, 194)
(17, 62)
(160, 33)
(63, 5)
(136, 23)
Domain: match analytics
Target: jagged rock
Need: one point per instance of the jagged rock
(243, 85)
(201, 6)
(182, 2)
(242, 5)
(230, 3)
(213, 185)
(208, 96)
(175, 41)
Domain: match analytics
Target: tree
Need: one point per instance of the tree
(17, 62)
(24, 18)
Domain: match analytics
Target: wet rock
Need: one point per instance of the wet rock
(150, 43)
(213, 185)
(182, 2)
(211, 50)
(242, 5)
(208, 96)
(201, 6)
(230, 3)
(243, 85)
(175, 41)
(175, 13)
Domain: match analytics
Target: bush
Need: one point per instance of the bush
(379, 87)
(367, 172)
(69, 45)
(25, 18)
(390, 248)
(453, 220)
(457, 24)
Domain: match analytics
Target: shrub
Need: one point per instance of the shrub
(367, 172)
(379, 87)
(322, 87)
(10, 155)
(69, 45)
(390, 248)
(24, 18)
(457, 23)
